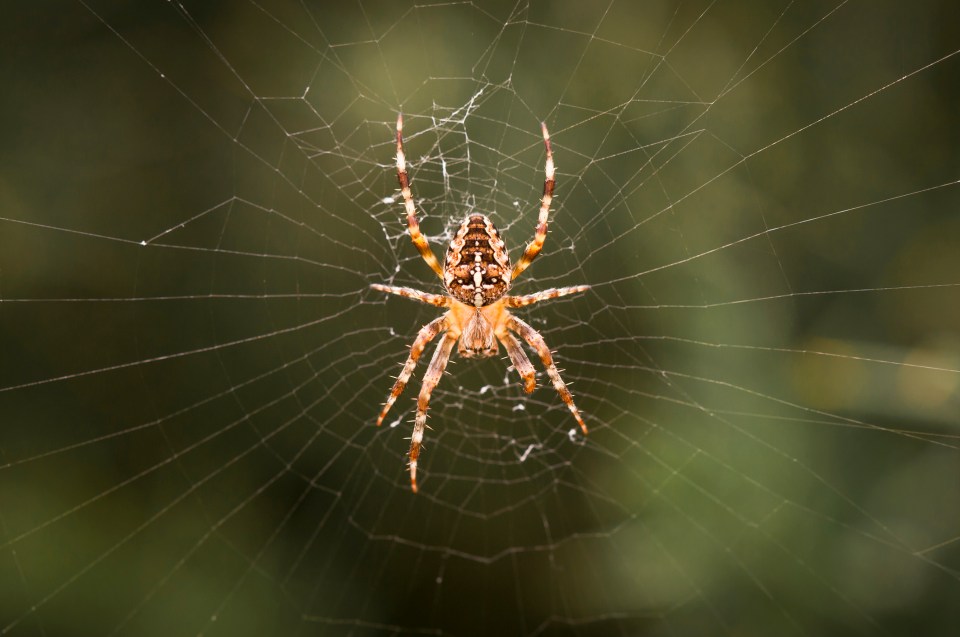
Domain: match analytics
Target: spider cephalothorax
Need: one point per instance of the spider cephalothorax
(477, 276)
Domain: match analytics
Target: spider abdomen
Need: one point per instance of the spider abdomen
(477, 269)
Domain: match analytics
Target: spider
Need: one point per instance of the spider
(477, 276)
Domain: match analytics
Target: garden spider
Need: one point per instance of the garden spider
(477, 276)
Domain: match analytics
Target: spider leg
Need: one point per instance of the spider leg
(541, 233)
(437, 364)
(418, 239)
(427, 333)
(433, 299)
(520, 361)
(536, 341)
(545, 295)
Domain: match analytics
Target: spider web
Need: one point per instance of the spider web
(763, 197)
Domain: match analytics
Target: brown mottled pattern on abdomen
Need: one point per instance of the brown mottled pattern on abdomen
(477, 237)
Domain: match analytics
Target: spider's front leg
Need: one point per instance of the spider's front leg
(427, 333)
(520, 361)
(437, 364)
(536, 341)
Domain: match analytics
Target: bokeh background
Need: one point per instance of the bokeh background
(195, 197)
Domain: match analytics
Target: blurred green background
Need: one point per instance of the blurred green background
(763, 196)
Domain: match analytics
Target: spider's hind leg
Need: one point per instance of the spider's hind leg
(415, 235)
(535, 246)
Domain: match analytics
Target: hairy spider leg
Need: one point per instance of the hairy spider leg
(545, 295)
(533, 249)
(536, 341)
(520, 361)
(433, 299)
(418, 239)
(427, 333)
(437, 364)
